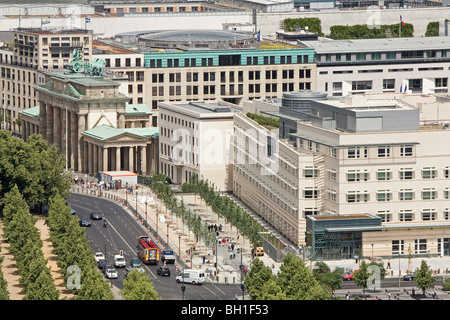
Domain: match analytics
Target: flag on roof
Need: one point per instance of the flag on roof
(401, 21)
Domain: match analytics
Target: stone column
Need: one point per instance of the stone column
(42, 120)
(73, 129)
(118, 158)
(90, 158)
(105, 159)
(84, 156)
(131, 159)
(95, 159)
(49, 124)
(25, 130)
(57, 127)
(144, 160)
(81, 128)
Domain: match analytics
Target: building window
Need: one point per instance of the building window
(428, 215)
(406, 215)
(310, 172)
(388, 84)
(398, 247)
(420, 246)
(428, 194)
(428, 173)
(406, 194)
(310, 193)
(356, 175)
(406, 150)
(384, 174)
(331, 195)
(406, 174)
(384, 151)
(384, 195)
(447, 193)
(357, 152)
(356, 196)
(384, 215)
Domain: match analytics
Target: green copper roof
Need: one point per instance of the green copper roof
(31, 112)
(137, 109)
(105, 132)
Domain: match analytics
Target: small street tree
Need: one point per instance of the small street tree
(362, 275)
(424, 278)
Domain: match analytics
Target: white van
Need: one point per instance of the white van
(191, 276)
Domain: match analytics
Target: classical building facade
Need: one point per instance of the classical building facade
(88, 120)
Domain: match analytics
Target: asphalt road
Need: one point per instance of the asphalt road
(122, 233)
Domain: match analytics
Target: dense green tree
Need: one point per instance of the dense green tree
(330, 279)
(255, 279)
(36, 168)
(298, 282)
(339, 32)
(314, 25)
(424, 278)
(4, 293)
(138, 286)
(432, 29)
(94, 287)
(270, 290)
(43, 288)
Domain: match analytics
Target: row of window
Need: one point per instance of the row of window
(382, 151)
(230, 76)
(420, 246)
(375, 56)
(228, 60)
(387, 174)
(410, 215)
(380, 195)
(230, 89)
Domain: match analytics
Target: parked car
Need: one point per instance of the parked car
(111, 273)
(99, 256)
(409, 277)
(163, 271)
(119, 261)
(347, 276)
(72, 211)
(96, 215)
(84, 222)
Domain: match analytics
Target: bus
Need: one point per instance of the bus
(148, 251)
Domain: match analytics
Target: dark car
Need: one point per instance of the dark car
(96, 215)
(409, 277)
(84, 222)
(163, 271)
(101, 264)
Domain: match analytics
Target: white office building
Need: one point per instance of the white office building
(412, 65)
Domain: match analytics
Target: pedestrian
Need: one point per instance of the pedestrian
(435, 294)
(413, 292)
(389, 295)
(347, 297)
(356, 258)
(389, 264)
(235, 297)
